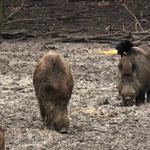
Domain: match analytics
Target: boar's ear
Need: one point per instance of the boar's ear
(134, 66)
(120, 66)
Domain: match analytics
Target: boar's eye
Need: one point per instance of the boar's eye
(61, 98)
(131, 80)
(120, 66)
(60, 103)
(49, 90)
(70, 86)
(56, 104)
(134, 66)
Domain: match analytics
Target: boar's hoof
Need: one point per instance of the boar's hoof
(128, 101)
(63, 131)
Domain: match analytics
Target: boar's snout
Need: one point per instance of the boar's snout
(63, 130)
(128, 98)
(61, 125)
(128, 95)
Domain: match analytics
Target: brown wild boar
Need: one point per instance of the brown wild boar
(2, 138)
(53, 83)
(134, 75)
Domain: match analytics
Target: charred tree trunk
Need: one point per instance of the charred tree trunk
(1, 18)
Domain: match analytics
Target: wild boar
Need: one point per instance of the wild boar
(2, 138)
(53, 83)
(134, 75)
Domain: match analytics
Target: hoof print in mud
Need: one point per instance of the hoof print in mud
(134, 74)
(53, 83)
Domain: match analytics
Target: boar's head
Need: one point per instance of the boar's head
(58, 96)
(128, 83)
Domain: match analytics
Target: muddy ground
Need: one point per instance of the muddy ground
(98, 121)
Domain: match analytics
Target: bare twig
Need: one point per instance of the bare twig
(133, 16)
(14, 12)
(147, 30)
(136, 27)
(19, 20)
(18, 32)
(145, 37)
(19, 35)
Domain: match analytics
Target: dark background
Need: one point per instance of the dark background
(61, 19)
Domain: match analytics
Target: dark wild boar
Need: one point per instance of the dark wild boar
(134, 75)
(53, 83)
(2, 138)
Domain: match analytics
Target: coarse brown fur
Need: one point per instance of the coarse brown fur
(134, 76)
(53, 83)
(2, 138)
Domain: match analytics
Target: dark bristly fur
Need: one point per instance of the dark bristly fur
(2, 138)
(53, 83)
(134, 76)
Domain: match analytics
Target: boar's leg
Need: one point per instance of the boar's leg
(140, 98)
(148, 96)
(124, 102)
(42, 111)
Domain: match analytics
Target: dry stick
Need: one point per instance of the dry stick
(145, 37)
(26, 19)
(19, 20)
(18, 32)
(133, 16)
(14, 11)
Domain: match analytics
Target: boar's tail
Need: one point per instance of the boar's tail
(124, 46)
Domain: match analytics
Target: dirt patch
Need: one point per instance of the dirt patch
(97, 119)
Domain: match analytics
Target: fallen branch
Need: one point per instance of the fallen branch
(145, 37)
(20, 20)
(11, 14)
(108, 38)
(133, 16)
(17, 35)
(101, 39)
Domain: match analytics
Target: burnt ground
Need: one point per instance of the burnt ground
(97, 118)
